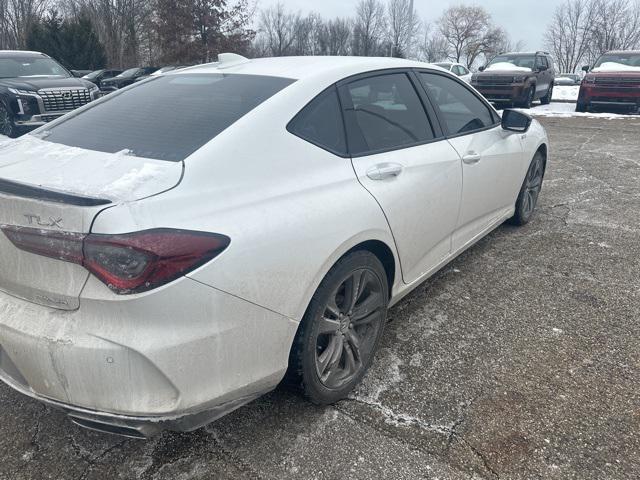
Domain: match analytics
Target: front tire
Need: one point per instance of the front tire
(529, 192)
(7, 127)
(341, 329)
(528, 101)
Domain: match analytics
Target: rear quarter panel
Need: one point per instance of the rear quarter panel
(290, 208)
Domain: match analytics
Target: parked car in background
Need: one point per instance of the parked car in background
(614, 81)
(99, 75)
(568, 79)
(80, 73)
(35, 89)
(457, 69)
(140, 243)
(126, 78)
(160, 72)
(517, 79)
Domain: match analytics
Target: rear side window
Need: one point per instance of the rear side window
(461, 110)
(321, 123)
(169, 117)
(385, 113)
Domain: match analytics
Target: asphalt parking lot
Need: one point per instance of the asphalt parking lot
(520, 360)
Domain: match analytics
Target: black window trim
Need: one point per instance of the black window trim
(438, 134)
(344, 126)
(443, 125)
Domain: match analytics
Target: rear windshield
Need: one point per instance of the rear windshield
(168, 117)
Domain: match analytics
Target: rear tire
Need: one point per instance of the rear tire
(341, 329)
(529, 192)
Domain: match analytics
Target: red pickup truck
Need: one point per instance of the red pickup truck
(613, 82)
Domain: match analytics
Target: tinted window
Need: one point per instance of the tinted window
(167, 118)
(460, 109)
(463, 71)
(383, 113)
(320, 123)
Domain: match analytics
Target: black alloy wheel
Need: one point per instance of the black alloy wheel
(530, 191)
(340, 331)
(6, 121)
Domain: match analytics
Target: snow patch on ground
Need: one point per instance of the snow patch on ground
(4, 139)
(567, 110)
(565, 93)
(506, 66)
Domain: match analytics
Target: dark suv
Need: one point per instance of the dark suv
(35, 89)
(517, 79)
(614, 82)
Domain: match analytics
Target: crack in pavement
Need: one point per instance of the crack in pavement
(93, 461)
(403, 420)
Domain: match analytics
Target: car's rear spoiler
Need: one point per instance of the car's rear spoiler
(29, 191)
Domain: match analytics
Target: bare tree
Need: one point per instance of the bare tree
(369, 28)
(278, 27)
(403, 24)
(569, 36)
(470, 33)
(615, 25)
(18, 18)
(432, 47)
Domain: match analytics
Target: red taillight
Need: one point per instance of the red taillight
(127, 263)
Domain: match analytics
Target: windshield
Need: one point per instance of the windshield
(129, 73)
(520, 61)
(621, 61)
(167, 117)
(13, 67)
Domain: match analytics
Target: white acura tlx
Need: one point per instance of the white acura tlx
(180, 247)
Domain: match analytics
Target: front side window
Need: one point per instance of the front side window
(168, 117)
(321, 123)
(384, 113)
(460, 109)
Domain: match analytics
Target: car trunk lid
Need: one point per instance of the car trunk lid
(49, 188)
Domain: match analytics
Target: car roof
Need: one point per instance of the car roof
(618, 52)
(299, 68)
(21, 53)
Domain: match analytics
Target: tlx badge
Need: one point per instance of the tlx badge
(37, 220)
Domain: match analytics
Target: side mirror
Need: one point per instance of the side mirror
(586, 68)
(515, 121)
(482, 68)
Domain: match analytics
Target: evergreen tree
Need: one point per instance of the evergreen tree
(72, 42)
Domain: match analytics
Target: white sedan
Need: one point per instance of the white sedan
(457, 69)
(176, 249)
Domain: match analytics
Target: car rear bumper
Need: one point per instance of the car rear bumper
(134, 366)
(501, 93)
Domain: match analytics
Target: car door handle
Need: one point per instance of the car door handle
(471, 158)
(383, 171)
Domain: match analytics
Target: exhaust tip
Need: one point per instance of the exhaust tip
(123, 431)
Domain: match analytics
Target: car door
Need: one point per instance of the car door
(491, 157)
(402, 159)
(544, 77)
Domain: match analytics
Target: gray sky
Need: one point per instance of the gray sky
(523, 19)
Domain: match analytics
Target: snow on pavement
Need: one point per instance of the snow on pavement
(567, 110)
